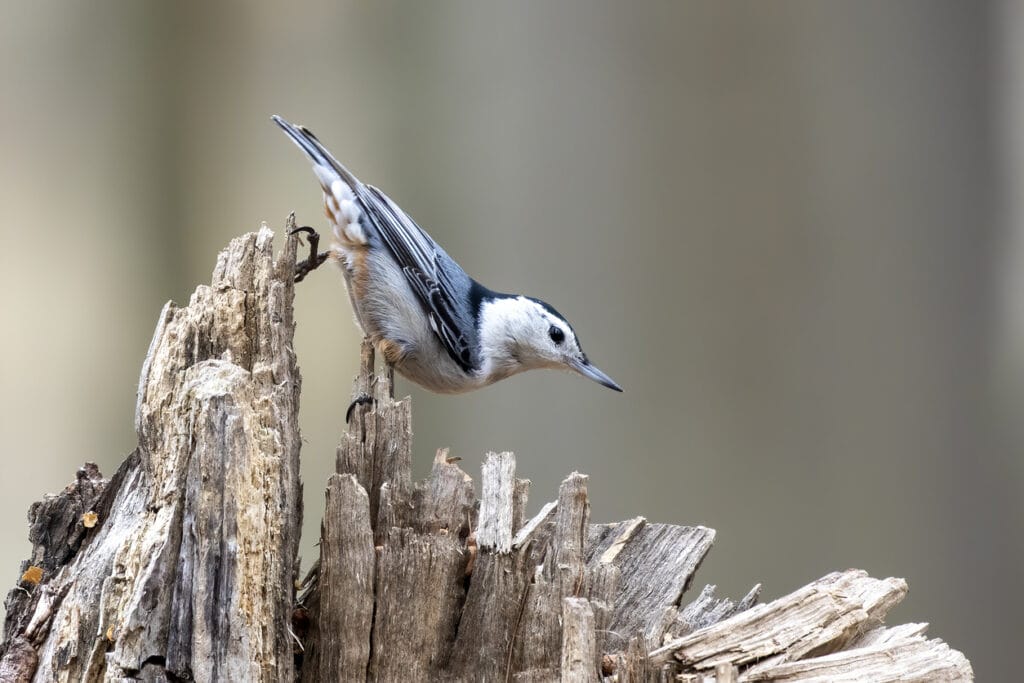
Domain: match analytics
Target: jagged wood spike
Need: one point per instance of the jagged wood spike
(186, 566)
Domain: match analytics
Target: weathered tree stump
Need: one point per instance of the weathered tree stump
(183, 565)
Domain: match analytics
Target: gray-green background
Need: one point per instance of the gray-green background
(791, 230)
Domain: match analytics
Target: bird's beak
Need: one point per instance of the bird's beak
(587, 370)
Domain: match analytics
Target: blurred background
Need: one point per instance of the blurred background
(793, 231)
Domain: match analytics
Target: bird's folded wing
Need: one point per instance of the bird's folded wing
(420, 259)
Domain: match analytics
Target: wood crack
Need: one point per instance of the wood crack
(186, 568)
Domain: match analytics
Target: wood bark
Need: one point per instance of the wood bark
(188, 570)
(183, 564)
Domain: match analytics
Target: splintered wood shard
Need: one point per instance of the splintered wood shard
(909, 658)
(706, 610)
(474, 589)
(657, 562)
(183, 564)
(496, 504)
(827, 616)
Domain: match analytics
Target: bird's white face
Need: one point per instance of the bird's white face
(523, 334)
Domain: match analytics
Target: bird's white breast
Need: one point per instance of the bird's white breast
(390, 310)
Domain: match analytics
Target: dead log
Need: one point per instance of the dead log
(183, 565)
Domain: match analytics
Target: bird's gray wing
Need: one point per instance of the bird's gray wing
(441, 286)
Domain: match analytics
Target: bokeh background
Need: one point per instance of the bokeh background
(793, 231)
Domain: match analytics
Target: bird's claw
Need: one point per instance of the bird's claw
(306, 229)
(314, 260)
(360, 400)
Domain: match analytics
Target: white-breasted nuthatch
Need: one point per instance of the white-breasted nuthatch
(431, 321)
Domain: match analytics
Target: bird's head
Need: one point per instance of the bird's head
(519, 333)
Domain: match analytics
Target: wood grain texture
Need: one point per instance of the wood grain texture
(579, 643)
(339, 648)
(657, 562)
(468, 589)
(56, 532)
(706, 610)
(190, 568)
(496, 503)
(910, 658)
(182, 565)
(794, 637)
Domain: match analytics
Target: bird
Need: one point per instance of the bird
(432, 322)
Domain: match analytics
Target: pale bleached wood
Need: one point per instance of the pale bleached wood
(189, 569)
(19, 661)
(657, 563)
(444, 502)
(535, 525)
(826, 613)
(726, 673)
(579, 644)
(497, 505)
(706, 610)
(419, 593)
(537, 647)
(622, 534)
(56, 532)
(883, 635)
(908, 659)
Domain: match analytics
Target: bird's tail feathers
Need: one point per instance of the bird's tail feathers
(326, 167)
(341, 189)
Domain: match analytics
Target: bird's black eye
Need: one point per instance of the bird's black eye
(556, 334)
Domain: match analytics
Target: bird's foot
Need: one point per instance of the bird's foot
(314, 260)
(360, 400)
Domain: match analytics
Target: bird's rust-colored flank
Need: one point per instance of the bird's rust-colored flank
(351, 255)
(391, 351)
(359, 275)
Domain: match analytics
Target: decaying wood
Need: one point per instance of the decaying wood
(189, 568)
(557, 597)
(579, 642)
(345, 607)
(901, 653)
(183, 564)
(658, 562)
(56, 531)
